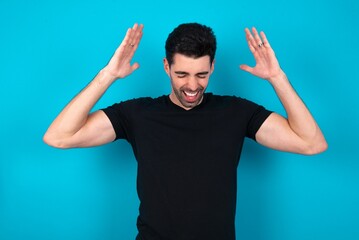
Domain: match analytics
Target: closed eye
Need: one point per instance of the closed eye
(181, 74)
(202, 75)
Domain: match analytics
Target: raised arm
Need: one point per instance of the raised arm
(297, 133)
(75, 126)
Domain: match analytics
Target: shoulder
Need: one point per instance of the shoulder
(230, 101)
(137, 104)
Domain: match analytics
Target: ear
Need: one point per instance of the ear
(212, 66)
(166, 66)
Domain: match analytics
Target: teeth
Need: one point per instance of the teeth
(191, 94)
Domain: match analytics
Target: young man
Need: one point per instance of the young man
(187, 144)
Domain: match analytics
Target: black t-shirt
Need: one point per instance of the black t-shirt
(187, 162)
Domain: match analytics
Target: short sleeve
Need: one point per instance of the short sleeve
(116, 114)
(258, 115)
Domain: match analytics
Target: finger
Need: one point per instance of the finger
(258, 40)
(126, 39)
(135, 40)
(132, 34)
(246, 68)
(251, 42)
(135, 37)
(135, 66)
(138, 36)
(253, 45)
(265, 40)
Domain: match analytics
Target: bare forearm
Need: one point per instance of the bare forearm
(75, 126)
(76, 113)
(298, 133)
(299, 118)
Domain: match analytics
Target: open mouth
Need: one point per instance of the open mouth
(191, 94)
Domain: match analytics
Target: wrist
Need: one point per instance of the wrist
(107, 75)
(278, 78)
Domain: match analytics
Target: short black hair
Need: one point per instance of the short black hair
(192, 40)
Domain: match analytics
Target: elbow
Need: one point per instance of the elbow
(316, 148)
(54, 142)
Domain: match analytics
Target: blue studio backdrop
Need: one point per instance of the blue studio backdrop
(50, 50)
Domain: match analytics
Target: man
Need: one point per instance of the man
(187, 144)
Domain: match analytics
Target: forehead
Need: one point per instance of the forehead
(189, 64)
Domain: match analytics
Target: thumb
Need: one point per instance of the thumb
(135, 66)
(246, 68)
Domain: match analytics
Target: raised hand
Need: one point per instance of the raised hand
(267, 66)
(120, 64)
(75, 126)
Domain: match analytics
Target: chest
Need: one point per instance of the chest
(189, 138)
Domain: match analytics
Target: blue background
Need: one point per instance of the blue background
(51, 49)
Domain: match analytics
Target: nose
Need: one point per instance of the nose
(192, 83)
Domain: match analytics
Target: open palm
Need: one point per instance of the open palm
(120, 64)
(267, 66)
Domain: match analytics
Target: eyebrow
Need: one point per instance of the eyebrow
(200, 73)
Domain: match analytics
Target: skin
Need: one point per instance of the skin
(298, 133)
(189, 79)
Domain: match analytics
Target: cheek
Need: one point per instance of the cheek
(203, 82)
(176, 83)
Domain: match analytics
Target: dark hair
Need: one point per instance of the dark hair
(192, 40)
